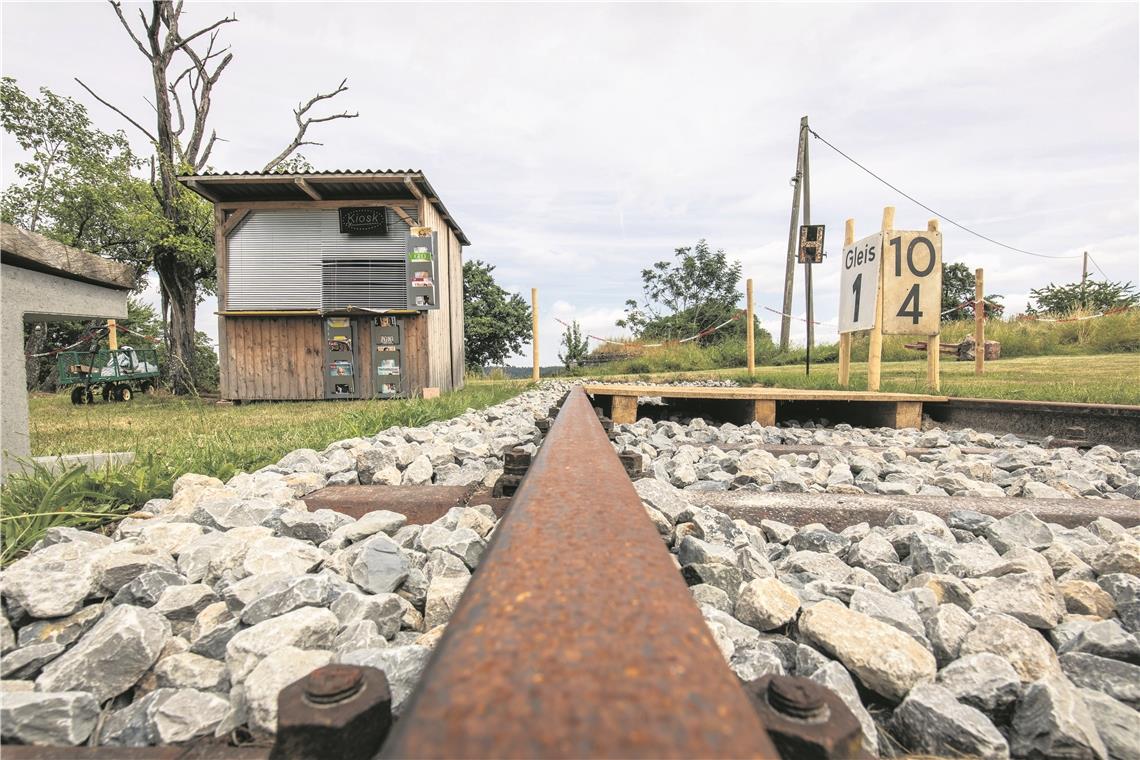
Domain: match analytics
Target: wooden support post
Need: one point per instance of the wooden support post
(845, 338)
(764, 411)
(534, 331)
(793, 238)
(875, 353)
(112, 335)
(934, 342)
(750, 332)
(623, 411)
(908, 414)
(979, 323)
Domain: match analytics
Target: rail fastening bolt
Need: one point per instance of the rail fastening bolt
(797, 699)
(333, 683)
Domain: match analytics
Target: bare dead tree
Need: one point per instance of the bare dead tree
(304, 121)
(185, 68)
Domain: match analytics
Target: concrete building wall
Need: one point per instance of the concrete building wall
(30, 296)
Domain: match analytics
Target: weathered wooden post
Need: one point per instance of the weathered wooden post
(750, 330)
(979, 323)
(934, 342)
(845, 337)
(875, 353)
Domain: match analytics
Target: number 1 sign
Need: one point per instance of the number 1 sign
(912, 283)
(859, 283)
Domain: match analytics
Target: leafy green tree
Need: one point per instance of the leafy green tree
(697, 290)
(1093, 295)
(496, 323)
(577, 346)
(958, 283)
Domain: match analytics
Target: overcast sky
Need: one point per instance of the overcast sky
(577, 144)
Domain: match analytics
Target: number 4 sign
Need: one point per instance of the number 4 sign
(912, 282)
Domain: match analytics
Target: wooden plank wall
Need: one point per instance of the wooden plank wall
(273, 358)
(439, 320)
(457, 354)
(415, 354)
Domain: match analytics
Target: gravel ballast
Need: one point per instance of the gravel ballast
(959, 634)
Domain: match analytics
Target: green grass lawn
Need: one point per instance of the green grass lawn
(172, 436)
(1103, 379)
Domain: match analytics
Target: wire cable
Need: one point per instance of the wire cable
(911, 198)
(1098, 268)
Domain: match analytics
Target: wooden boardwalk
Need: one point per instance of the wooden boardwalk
(763, 405)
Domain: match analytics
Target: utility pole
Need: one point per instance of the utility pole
(807, 261)
(793, 238)
(1084, 278)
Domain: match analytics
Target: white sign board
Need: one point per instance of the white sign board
(912, 283)
(859, 283)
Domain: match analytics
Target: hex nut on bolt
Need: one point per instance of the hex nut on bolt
(341, 711)
(805, 719)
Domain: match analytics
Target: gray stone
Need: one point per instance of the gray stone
(1032, 598)
(753, 564)
(52, 582)
(1020, 560)
(273, 673)
(378, 521)
(1087, 598)
(1120, 557)
(1123, 587)
(662, 496)
(61, 718)
(145, 590)
(724, 577)
(886, 660)
(361, 634)
(872, 550)
(777, 531)
(112, 656)
(65, 631)
(1051, 720)
(1019, 529)
(212, 631)
(401, 664)
(835, 677)
(443, 595)
(304, 628)
(969, 520)
(27, 661)
(187, 670)
(384, 610)
(64, 534)
(946, 628)
(756, 660)
(184, 602)
(317, 526)
(820, 541)
(891, 610)
(814, 566)
(1026, 649)
(693, 550)
(984, 680)
(228, 512)
(703, 593)
(7, 636)
(766, 604)
(930, 720)
(1119, 680)
(418, 473)
(187, 714)
(1116, 723)
(1104, 639)
(275, 554)
(380, 567)
(289, 594)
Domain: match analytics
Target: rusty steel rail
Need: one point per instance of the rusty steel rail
(577, 636)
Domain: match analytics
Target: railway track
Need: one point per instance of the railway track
(576, 638)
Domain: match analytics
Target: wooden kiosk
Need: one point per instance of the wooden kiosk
(345, 284)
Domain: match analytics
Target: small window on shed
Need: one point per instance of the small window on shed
(363, 283)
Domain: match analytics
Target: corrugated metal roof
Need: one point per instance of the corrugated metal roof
(337, 185)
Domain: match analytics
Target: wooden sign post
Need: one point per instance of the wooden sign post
(534, 331)
(934, 343)
(979, 323)
(750, 332)
(875, 352)
(901, 273)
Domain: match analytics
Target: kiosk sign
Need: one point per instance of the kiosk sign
(859, 283)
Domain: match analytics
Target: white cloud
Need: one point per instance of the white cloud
(577, 144)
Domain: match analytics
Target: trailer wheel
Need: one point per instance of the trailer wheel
(123, 393)
(78, 395)
(109, 392)
(146, 386)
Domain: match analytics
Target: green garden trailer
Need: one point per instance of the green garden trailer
(114, 374)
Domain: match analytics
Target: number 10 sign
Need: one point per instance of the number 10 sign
(911, 267)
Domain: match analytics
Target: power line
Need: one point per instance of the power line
(911, 198)
(1098, 268)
